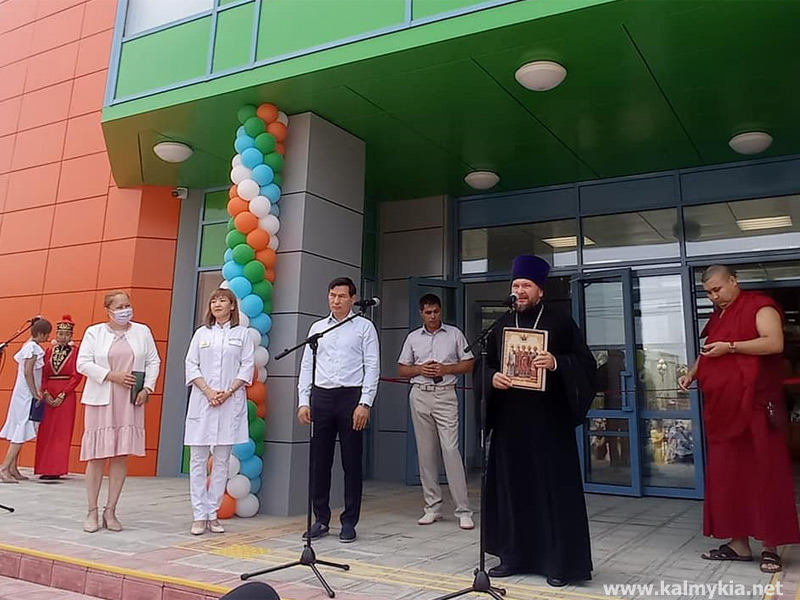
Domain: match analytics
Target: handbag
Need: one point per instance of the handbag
(37, 410)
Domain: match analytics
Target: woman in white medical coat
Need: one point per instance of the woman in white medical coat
(219, 365)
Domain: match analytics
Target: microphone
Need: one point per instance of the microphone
(366, 303)
(510, 301)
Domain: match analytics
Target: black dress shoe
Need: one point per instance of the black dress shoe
(556, 582)
(347, 534)
(503, 570)
(318, 530)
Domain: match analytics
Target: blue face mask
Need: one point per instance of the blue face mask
(122, 316)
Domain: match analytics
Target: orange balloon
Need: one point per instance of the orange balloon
(258, 239)
(236, 206)
(227, 508)
(232, 193)
(278, 130)
(245, 221)
(261, 410)
(280, 148)
(257, 393)
(267, 112)
(269, 275)
(266, 257)
(255, 373)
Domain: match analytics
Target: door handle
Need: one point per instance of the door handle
(624, 391)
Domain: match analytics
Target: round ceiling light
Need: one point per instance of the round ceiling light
(172, 152)
(540, 75)
(482, 180)
(750, 142)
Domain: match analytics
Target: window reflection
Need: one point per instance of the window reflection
(207, 282)
(650, 234)
(669, 453)
(609, 451)
(147, 14)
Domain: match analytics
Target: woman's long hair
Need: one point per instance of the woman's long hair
(210, 319)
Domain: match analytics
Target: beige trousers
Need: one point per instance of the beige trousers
(435, 417)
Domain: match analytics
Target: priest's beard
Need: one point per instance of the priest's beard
(529, 307)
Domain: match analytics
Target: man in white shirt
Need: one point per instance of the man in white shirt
(343, 392)
(433, 356)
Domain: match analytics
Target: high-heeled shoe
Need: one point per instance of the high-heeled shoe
(110, 520)
(90, 524)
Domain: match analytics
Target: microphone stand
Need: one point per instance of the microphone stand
(308, 558)
(3, 346)
(481, 583)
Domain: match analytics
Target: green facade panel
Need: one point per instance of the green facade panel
(170, 56)
(216, 206)
(288, 26)
(212, 244)
(427, 8)
(234, 34)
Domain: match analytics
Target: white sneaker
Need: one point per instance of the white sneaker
(198, 527)
(465, 522)
(429, 518)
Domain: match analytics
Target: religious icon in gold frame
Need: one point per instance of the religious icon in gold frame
(520, 348)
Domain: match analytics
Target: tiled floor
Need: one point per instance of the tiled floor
(17, 589)
(634, 541)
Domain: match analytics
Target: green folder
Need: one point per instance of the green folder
(138, 386)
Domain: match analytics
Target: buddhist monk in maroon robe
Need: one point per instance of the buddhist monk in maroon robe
(60, 378)
(749, 490)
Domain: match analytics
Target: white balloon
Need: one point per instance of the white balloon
(255, 336)
(247, 189)
(244, 320)
(262, 374)
(282, 118)
(259, 206)
(270, 224)
(273, 242)
(239, 173)
(225, 285)
(247, 507)
(233, 466)
(261, 357)
(238, 486)
(237, 160)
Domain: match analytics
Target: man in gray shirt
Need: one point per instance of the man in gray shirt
(432, 357)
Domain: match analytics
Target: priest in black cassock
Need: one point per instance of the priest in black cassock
(535, 510)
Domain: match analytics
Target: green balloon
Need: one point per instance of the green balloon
(267, 305)
(257, 429)
(259, 449)
(274, 160)
(243, 254)
(278, 180)
(254, 271)
(251, 411)
(248, 111)
(263, 289)
(253, 126)
(265, 142)
(235, 238)
(231, 224)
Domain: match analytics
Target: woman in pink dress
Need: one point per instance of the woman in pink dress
(111, 356)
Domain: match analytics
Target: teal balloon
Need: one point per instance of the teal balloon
(274, 160)
(265, 340)
(244, 450)
(275, 210)
(251, 410)
(252, 157)
(228, 256)
(262, 174)
(241, 287)
(263, 289)
(243, 253)
(277, 179)
(271, 191)
(258, 428)
(231, 270)
(252, 467)
(253, 127)
(265, 142)
(254, 271)
(260, 448)
(234, 238)
(244, 143)
(255, 483)
(240, 131)
(262, 323)
(231, 224)
(252, 305)
(248, 111)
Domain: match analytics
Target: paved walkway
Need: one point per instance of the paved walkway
(635, 541)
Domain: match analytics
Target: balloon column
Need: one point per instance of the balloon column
(249, 272)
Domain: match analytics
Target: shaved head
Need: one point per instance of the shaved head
(723, 271)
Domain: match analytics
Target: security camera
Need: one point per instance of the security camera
(180, 192)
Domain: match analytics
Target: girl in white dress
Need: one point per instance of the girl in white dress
(18, 427)
(218, 366)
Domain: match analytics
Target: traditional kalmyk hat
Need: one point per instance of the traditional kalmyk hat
(65, 324)
(528, 266)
